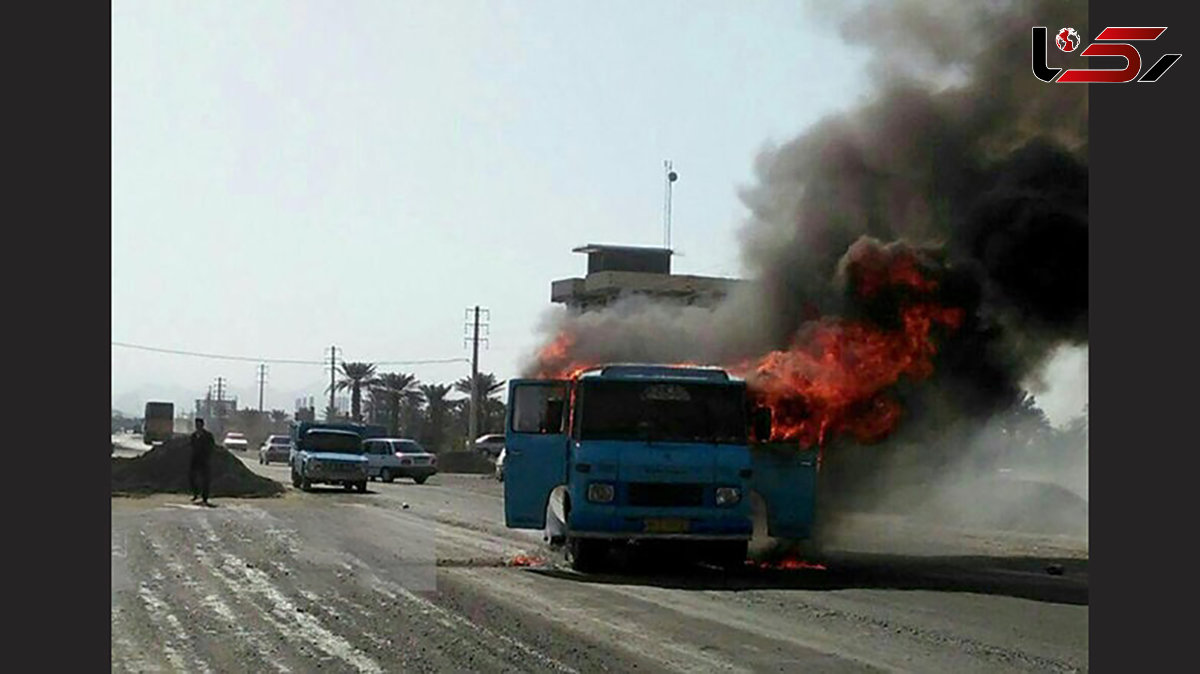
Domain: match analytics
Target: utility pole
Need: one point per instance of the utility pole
(262, 379)
(220, 404)
(332, 381)
(473, 325)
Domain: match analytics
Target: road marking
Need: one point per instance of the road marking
(310, 630)
(626, 633)
(161, 615)
(123, 649)
(214, 603)
(453, 620)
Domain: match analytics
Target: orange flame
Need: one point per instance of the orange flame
(526, 560)
(788, 565)
(555, 360)
(836, 376)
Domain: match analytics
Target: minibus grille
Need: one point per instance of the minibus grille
(655, 494)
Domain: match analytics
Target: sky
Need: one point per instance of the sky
(290, 176)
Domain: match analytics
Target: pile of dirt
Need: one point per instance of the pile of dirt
(164, 469)
(1018, 505)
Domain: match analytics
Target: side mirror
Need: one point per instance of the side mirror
(761, 421)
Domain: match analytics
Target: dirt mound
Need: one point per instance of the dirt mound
(164, 469)
(1015, 505)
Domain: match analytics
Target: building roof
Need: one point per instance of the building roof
(605, 248)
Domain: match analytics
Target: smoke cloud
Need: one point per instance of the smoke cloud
(990, 173)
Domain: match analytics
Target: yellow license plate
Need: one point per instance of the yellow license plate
(666, 526)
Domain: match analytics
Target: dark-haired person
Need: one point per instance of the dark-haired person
(200, 472)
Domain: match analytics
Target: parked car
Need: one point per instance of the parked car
(275, 448)
(390, 458)
(235, 441)
(489, 445)
(500, 466)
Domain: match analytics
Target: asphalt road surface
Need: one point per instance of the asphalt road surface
(421, 578)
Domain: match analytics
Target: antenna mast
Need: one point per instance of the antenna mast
(670, 177)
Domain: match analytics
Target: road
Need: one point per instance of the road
(419, 578)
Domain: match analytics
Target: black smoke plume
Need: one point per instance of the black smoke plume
(959, 152)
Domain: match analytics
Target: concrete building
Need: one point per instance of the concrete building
(621, 271)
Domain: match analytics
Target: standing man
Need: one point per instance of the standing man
(200, 474)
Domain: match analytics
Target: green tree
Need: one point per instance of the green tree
(437, 414)
(355, 377)
(488, 385)
(279, 421)
(491, 410)
(1025, 425)
(394, 390)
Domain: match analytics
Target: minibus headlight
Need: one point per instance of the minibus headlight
(600, 492)
(728, 495)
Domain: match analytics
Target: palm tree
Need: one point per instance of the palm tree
(278, 416)
(486, 382)
(1024, 423)
(355, 376)
(373, 406)
(392, 389)
(438, 408)
(489, 408)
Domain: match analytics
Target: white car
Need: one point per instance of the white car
(489, 445)
(276, 448)
(500, 465)
(235, 441)
(390, 458)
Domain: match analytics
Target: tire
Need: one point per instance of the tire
(586, 555)
(347, 486)
(362, 487)
(386, 475)
(421, 479)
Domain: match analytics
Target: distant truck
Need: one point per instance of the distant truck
(328, 453)
(648, 454)
(159, 422)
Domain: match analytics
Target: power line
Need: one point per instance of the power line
(215, 356)
(421, 362)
